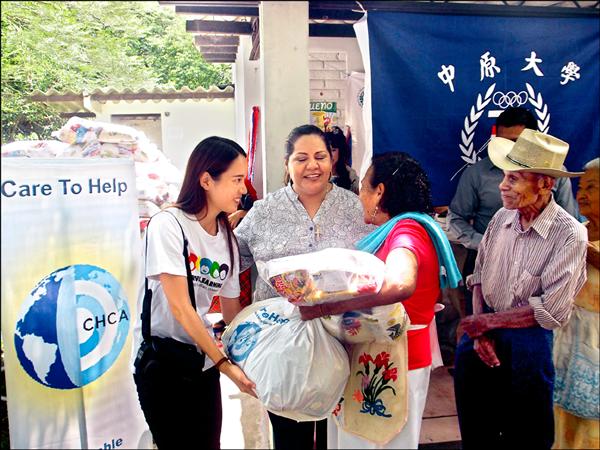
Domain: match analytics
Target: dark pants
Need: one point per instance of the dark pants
(291, 435)
(182, 412)
(509, 406)
(468, 268)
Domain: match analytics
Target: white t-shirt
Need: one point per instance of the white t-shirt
(212, 272)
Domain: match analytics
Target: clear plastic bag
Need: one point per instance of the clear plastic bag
(328, 275)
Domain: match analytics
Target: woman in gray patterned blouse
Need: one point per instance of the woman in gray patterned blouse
(307, 215)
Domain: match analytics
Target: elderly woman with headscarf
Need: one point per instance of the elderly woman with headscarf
(576, 352)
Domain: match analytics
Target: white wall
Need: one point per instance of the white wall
(347, 45)
(330, 62)
(184, 124)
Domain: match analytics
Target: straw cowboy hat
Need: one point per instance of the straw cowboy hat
(533, 152)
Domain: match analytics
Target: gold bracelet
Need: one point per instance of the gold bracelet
(221, 361)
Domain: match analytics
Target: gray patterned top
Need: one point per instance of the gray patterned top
(279, 226)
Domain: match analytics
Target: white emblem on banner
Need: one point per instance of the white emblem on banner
(533, 61)
(447, 76)
(502, 100)
(569, 72)
(488, 65)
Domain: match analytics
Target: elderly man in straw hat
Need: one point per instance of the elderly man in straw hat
(530, 266)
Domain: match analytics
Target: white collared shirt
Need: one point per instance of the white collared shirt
(543, 266)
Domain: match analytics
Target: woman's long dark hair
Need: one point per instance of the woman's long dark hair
(407, 187)
(213, 155)
(337, 140)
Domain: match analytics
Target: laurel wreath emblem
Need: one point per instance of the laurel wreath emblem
(471, 121)
(541, 109)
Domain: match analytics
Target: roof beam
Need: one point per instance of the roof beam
(314, 12)
(219, 57)
(217, 26)
(209, 39)
(330, 30)
(228, 11)
(217, 49)
(314, 29)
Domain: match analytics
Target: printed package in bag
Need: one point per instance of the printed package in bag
(299, 369)
(328, 275)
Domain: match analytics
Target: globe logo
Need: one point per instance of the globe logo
(242, 341)
(72, 327)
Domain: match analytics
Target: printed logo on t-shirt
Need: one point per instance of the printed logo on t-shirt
(212, 273)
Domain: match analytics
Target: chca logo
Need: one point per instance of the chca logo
(72, 327)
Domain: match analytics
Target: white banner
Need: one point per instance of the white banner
(362, 36)
(355, 92)
(70, 272)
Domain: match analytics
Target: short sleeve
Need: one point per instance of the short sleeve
(165, 247)
(410, 235)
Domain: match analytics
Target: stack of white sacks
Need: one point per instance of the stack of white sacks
(157, 179)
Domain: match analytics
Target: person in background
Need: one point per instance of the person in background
(342, 174)
(307, 215)
(576, 350)
(477, 196)
(181, 405)
(529, 268)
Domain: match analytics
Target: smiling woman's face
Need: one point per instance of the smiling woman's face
(588, 194)
(309, 166)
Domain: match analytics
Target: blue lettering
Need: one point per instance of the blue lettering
(25, 190)
(5, 192)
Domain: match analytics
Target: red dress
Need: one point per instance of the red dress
(419, 307)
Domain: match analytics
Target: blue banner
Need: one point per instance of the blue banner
(439, 81)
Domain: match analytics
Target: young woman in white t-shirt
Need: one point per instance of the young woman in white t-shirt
(183, 408)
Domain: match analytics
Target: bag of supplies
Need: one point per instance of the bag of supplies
(300, 370)
(328, 275)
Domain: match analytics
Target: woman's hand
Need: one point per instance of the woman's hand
(234, 218)
(240, 379)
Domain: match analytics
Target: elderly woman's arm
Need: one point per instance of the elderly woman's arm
(399, 283)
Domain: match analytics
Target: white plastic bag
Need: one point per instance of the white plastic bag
(300, 370)
(328, 275)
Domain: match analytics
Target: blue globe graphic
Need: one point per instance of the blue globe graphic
(72, 327)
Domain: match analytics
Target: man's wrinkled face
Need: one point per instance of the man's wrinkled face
(520, 189)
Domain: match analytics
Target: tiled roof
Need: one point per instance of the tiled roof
(75, 100)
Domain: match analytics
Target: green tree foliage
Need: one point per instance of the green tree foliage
(87, 45)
